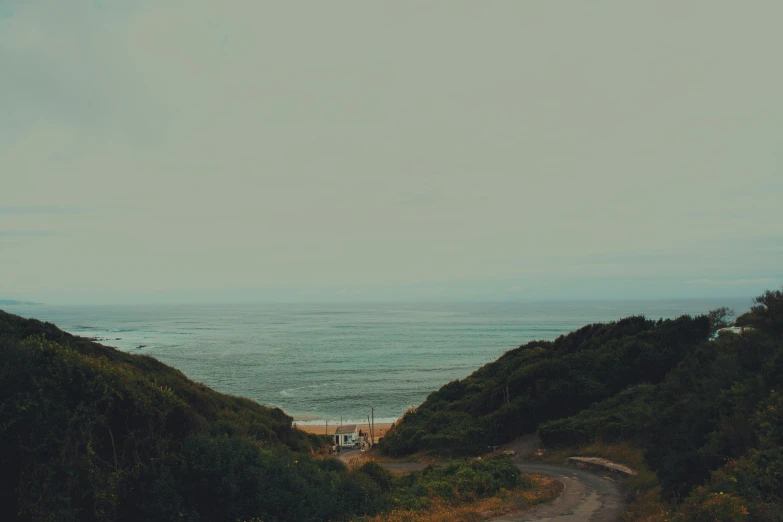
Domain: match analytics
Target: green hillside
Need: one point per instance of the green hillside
(707, 415)
(541, 381)
(91, 433)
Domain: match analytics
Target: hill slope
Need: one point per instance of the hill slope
(544, 380)
(91, 433)
(707, 415)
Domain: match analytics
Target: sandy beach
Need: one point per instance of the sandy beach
(380, 428)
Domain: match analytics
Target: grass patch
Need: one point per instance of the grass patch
(544, 489)
(619, 452)
(425, 457)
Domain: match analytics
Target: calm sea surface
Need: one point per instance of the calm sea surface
(330, 361)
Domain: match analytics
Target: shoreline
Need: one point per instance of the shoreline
(381, 428)
(322, 421)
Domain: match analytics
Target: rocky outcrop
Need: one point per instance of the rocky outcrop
(603, 466)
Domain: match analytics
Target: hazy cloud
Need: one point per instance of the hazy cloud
(759, 282)
(245, 147)
(48, 210)
(28, 233)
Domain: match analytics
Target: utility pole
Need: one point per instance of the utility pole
(372, 410)
(369, 428)
(326, 429)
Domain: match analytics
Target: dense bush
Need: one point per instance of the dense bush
(766, 314)
(624, 417)
(748, 487)
(458, 482)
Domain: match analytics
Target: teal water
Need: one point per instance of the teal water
(337, 361)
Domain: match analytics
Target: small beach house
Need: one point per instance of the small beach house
(347, 435)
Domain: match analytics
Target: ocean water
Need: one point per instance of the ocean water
(326, 362)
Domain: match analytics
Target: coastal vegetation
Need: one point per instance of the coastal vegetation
(90, 433)
(700, 417)
(542, 381)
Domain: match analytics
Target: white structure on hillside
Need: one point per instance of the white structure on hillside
(347, 435)
(739, 330)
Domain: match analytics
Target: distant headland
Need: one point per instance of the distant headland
(18, 303)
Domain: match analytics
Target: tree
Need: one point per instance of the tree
(769, 311)
(720, 318)
(766, 314)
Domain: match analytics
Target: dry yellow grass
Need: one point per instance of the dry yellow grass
(647, 507)
(621, 453)
(546, 489)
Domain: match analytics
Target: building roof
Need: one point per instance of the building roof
(348, 428)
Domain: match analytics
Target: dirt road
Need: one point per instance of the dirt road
(587, 497)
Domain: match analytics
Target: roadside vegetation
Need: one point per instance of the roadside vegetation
(456, 506)
(702, 420)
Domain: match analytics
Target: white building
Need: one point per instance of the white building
(739, 330)
(347, 435)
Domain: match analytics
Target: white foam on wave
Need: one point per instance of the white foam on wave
(288, 392)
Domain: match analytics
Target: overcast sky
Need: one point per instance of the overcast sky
(248, 150)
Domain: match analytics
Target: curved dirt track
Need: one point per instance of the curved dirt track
(587, 497)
